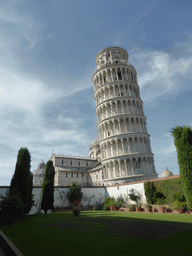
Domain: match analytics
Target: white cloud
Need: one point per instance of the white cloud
(160, 73)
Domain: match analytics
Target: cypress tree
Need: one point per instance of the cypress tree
(183, 143)
(47, 198)
(22, 182)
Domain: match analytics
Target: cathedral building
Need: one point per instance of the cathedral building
(122, 151)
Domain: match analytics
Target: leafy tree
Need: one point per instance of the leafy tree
(183, 143)
(48, 187)
(74, 193)
(22, 180)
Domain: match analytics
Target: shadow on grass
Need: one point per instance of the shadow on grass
(102, 233)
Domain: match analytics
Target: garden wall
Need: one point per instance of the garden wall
(92, 195)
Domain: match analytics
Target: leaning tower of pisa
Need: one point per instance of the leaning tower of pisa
(123, 138)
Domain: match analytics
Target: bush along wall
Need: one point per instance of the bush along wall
(171, 190)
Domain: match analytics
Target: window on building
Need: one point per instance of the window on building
(62, 162)
(66, 174)
(86, 163)
(82, 175)
(77, 175)
(71, 175)
(79, 163)
(70, 162)
(121, 94)
(109, 133)
(96, 176)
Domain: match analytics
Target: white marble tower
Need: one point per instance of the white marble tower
(123, 138)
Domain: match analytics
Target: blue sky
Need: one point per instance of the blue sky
(47, 59)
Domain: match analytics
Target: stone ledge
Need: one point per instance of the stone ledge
(8, 247)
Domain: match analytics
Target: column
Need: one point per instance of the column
(124, 89)
(116, 74)
(119, 126)
(122, 75)
(126, 171)
(123, 148)
(125, 125)
(122, 107)
(131, 167)
(113, 91)
(116, 107)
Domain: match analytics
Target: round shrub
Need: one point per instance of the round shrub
(12, 208)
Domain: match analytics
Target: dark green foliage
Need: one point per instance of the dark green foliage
(149, 191)
(106, 207)
(176, 196)
(160, 201)
(131, 207)
(157, 195)
(183, 143)
(109, 201)
(22, 182)
(12, 208)
(179, 205)
(74, 193)
(166, 188)
(133, 196)
(120, 202)
(47, 198)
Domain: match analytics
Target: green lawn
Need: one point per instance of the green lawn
(35, 241)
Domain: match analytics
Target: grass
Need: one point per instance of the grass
(33, 240)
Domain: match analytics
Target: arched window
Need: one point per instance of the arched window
(119, 75)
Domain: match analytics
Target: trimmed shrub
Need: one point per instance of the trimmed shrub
(12, 208)
(74, 193)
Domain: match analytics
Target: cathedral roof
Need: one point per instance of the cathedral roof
(166, 173)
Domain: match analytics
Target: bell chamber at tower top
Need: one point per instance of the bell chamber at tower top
(111, 55)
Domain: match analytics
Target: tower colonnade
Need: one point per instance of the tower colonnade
(123, 138)
(121, 88)
(121, 125)
(123, 168)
